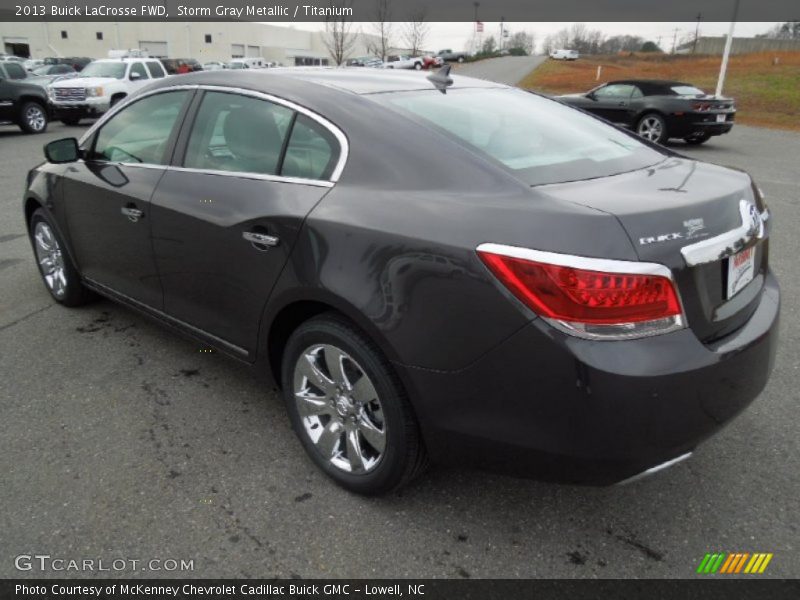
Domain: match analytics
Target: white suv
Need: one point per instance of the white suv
(100, 85)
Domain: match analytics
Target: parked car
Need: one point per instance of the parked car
(247, 63)
(12, 58)
(448, 55)
(403, 62)
(432, 62)
(60, 69)
(21, 103)
(45, 81)
(100, 86)
(76, 62)
(181, 66)
(214, 66)
(547, 294)
(32, 63)
(564, 54)
(659, 110)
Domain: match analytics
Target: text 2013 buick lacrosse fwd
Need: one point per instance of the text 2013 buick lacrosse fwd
(428, 267)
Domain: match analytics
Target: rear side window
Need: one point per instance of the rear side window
(238, 133)
(312, 151)
(139, 133)
(15, 71)
(155, 70)
(687, 90)
(139, 68)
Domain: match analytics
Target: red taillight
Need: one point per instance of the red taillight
(567, 293)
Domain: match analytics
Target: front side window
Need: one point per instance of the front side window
(312, 151)
(539, 140)
(139, 133)
(15, 71)
(155, 70)
(238, 133)
(139, 69)
(614, 91)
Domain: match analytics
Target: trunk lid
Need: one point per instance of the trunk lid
(680, 203)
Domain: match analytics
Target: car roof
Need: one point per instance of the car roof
(651, 82)
(126, 59)
(356, 80)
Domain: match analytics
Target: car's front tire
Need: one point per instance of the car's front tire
(653, 127)
(59, 275)
(348, 407)
(417, 66)
(461, 59)
(33, 118)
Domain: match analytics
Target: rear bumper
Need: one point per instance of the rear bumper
(694, 123)
(556, 407)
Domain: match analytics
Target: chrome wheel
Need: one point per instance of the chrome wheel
(35, 117)
(51, 259)
(651, 128)
(339, 408)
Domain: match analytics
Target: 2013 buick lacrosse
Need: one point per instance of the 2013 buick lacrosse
(429, 267)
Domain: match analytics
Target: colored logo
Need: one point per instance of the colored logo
(734, 562)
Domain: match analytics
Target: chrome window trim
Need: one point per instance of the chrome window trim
(728, 243)
(614, 332)
(344, 145)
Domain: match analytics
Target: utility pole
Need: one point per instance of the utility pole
(726, 53)
(696, 33)
(502, 19)
(477, 32)
(674, 39)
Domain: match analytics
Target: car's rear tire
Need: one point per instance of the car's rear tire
(348, 407)
(696, 140)
(59, 275)
(33, 117)
(461, 59)
(653, 127)
(71, 121)
(417, 66)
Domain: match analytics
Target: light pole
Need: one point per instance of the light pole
(726, 53)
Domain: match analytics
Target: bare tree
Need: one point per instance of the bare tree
(339, 39)
(416, 32)
(522, 40)
(383, 27)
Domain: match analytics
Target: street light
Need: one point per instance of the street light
(725, 53)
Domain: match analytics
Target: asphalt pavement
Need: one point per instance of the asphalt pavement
(120, 440)
(505, 69)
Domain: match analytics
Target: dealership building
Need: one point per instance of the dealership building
(205, 41)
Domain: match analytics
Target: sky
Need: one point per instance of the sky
(457, 35)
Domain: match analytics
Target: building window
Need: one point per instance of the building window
(208, 38)
(63, 34)
(99, 35)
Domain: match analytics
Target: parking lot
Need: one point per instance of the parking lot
(119, 439)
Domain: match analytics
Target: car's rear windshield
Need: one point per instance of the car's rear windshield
(687, 90)
(542, 141)
(104, 69)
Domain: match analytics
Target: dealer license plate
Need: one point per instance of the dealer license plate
(721, 118)
(741, 268)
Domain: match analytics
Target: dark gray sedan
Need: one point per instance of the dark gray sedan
(429, 267)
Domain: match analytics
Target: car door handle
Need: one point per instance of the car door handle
(133, 213)
(261, 241)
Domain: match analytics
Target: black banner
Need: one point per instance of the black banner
(402, 10)
(430, 589)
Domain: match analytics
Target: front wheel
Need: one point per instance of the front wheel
(417, 66)
(58, 273)
(461, 59)
(348, 407)
(653, 127)
(33, 118)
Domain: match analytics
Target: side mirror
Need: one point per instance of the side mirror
(64, 150)
(134, 76)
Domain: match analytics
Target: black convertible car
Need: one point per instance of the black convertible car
(429, 267)
(659, 110)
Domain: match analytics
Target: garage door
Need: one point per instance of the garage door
(157, 49)
(253, 51)
(237, 50)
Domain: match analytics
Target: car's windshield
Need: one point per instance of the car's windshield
(542, 141)
(687, 90)
(41, 70)
(104, 69)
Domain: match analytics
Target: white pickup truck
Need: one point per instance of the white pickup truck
(404, 62)
(100, 85)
